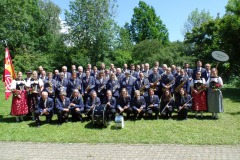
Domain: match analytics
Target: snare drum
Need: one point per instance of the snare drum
(119, 121)
(98, 115)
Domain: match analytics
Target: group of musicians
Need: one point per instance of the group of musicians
(138, 91)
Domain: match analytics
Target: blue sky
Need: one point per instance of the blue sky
(173, 13)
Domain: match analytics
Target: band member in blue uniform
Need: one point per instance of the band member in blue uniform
(50, 85)
(167, 104)
(80, 73)
(189, 71)
(168, 80)
(138, 105)
(44, 107)
(142, 84)
(123, 103)
(184, 104)
(91, 103)
(62, 84)
(182, 81)
(155, 83)
(119, 74)
(147, 70)
(74, 83)
(110, 103)
(152, 103)
(198, 69)
(101, 85)
(62, 107)
(128, 83)
(113, 85)
(66, 73)
(88, 85)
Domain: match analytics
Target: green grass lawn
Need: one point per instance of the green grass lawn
(225, 130)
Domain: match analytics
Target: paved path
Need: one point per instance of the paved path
(74, 151)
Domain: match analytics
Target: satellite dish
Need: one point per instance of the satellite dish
(220, 56)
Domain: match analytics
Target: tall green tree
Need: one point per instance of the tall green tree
(196, 19)
(92, 27)
(146, 25)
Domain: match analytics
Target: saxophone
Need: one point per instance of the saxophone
(180, 86)
(154, 86)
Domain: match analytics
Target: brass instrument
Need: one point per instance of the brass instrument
(50, 87)
(115, 88)
(87, 89)
(169, 84)
(142, 89)
(179, 86)
(154, 86)
(101, 88)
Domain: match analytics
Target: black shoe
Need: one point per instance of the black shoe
(38, 125)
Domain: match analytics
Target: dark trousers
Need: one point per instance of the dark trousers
(166, 112)
(37, 114)
(62, 116)
(140, 115)
(182, 114)
(128, 111)
(150, 111)
(110, 113)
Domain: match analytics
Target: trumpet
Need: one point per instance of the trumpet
(179, 86)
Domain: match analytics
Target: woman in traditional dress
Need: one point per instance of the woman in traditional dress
(35, 87)
(215, 99)
(198, 88)
(19, 100)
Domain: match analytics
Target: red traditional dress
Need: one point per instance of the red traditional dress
(200, 99)
(19, 100)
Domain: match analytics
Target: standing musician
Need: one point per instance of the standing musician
(80, 73)
(128, 83)
(184, 104)
(113, 85)
(110, 103)
(101, 85)
(74, 83)
(35, 86)
(198, 69)
(50, 86)
(182, 81)
(167, 104)
(142, 84)
(88, 85)
(44, 107)
(168, 80)
(123, 103)
(198, 88)
(19, 100)
(152, 102)
(188, 70)
(119, 74)
(62, 84)
(147, 70)
(155, 83)
(91, 103)
(138, 105)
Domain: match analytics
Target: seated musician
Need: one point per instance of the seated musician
(91, 103)
(123, 103)
(152, 102)
(138, 105)
(44, 107)
(110, 103)
(167, 104)
(73, 105)
(184, 104)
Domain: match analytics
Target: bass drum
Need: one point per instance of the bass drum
(99, 116)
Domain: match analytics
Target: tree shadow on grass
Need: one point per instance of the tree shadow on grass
(232, 94)
(233, 113)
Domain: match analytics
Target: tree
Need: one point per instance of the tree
(195, 19)
(92, 27)
(146, 25)
(29, 27)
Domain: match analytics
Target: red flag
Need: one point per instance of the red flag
(8, 73)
